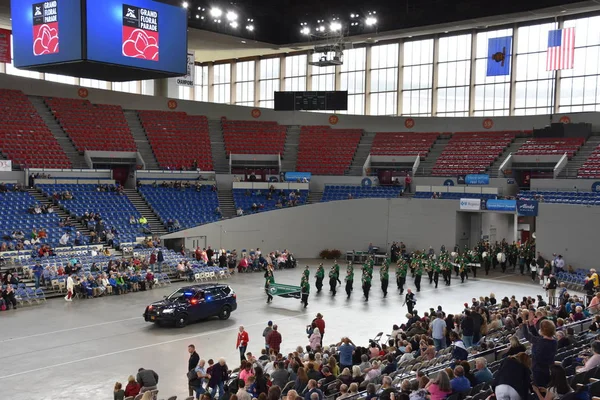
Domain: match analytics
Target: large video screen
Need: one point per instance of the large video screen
(46, 32)
(137, 33)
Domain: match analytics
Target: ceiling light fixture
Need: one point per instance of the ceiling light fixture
(250, 27)
(184, 4)
(370, 21)
(335, 26)
(216, 12)
(305, 30)
(231, 16)
(233, 24)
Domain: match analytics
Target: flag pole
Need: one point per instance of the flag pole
(553, 99)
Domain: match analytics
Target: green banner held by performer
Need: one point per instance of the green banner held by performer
(276, 289)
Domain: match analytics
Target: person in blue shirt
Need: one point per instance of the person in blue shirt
(482, 372)
(38, 270)
(460, 383)
(346, 348)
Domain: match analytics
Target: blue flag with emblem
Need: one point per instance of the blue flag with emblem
(499, 55)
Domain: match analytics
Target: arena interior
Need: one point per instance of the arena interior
(407, 192)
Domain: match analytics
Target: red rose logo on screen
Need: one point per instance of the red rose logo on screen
(140, 44)
(45, 39)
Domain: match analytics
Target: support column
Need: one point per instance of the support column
(368, 81)
(400, 79)
(233, 83)
(256, 82)
(166, 88)
(434, 87)
(513, 71)
(473, 73)
(211, 82)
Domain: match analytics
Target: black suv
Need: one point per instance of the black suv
(193, 303)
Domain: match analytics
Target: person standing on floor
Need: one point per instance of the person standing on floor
(384, 276)
(319, 276)
(266, 332)
(418, 268)
(401, 271)
(70, 288)
(409, 301)
(269, 280)
(349, 279)
(274, 340)
(366, 283)
(320, 323)
(304, 291)
(192, 364)
(242, 342)
(333, 279)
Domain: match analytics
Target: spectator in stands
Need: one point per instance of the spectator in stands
(440, 387)
(558, 387)
(64, 239)
(408, 183)
(274, 339)
(459, 351)
(119, 393)
(133, 388)
(148, 380)
(301, 380)
(460, 383)
(593, 361)
(482, 372)
(38, 271)
(8, 294)
(543, 347)
(312, 389)
(239, 212)
(513, 379)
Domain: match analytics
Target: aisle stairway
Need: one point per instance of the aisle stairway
(144, 209)
(43, 200)
(426, 166)
(512, 148)
(226, 203)
(577, 161)
(290, 154)
(217, 145)
(314, 197)
(140, 138)
(362, 152)
(77, 159)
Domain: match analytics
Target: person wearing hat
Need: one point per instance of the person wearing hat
(307, 272)
(349, 279)
(384, 276)
(418, 270)
(333, 278)
(266, 332)
(304, 290)
(401, 270)
(366, 282)
(320, 274)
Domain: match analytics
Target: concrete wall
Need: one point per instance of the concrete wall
(570, 230)
(343, 225)
(371, 123)
(502, 224)
(583, 185)
(12, 177)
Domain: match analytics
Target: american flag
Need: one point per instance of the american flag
(561, 49)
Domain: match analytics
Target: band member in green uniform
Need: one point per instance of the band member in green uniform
(475, 259)
(269, 279)
(462, 265)
(305, 286)
(306, 272)
(319, 276)
(435, 265)
(486, 259)
(333, 279)
(349, 279)
(366, 284)
(418, 268)
(429, 267)
(337, 271)
(401, 271)
(384, 275)
(446, 269)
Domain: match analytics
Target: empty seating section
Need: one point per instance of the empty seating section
(253, 137)
(584, 198)
(178, 139)
(244, 199)
(335, 192)
(326, 151)
(591, 167)
(471, 152)
(114, 209)
(455, 196)
(188, 206)
(14, 216)
(92, 126)
(550, 147)
(403, 144)
(24, 137)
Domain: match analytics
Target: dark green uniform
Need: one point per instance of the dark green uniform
(401, 271)
(418, 268)
(384, 275)
(349, 279)
(366, 284)
(305, 286)
(435, 266)
(269, 279)
(319, 276)
(333, 278)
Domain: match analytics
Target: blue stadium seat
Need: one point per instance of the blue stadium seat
(336, 192)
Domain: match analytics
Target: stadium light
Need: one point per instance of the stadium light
(335, 26)
(305, 30)
(231, 16)
(321, 28)
(370, 21)
(233, 24)
(250, 27)
(215, 12)
(184, 4)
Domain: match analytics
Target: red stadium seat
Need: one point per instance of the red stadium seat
(326, 151)
(178, 139)
(403, 144)
(24, 137)
(550, 146)
(253, 137)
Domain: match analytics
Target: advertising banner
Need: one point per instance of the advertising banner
(188, 78)
(527, 208)
(477, 179)
(470, 204)
(5, 46)
(297, 176)
(501, 205)
(5, 165)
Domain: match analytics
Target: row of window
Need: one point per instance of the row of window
(444, 76)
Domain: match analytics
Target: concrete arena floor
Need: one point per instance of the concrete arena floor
(80, 349)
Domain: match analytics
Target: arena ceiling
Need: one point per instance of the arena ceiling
(277, 22)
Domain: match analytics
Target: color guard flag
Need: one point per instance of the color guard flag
(499, 52)
(561, 49)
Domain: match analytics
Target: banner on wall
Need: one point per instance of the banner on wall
(500, 205)
(5, 165)
(527, 208)
(188, 78)
(470, 204)
(5, 46)
(477, 179)
(297, 176)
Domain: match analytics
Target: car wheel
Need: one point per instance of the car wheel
(181, 321)
(225, 313)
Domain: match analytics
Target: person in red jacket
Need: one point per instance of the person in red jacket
(133, 388)
(274, 340)
(320, 322)
(242, 342)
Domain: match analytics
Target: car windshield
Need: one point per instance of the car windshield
(181, 294)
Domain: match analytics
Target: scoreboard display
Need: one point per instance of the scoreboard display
(87, 38)
(311, 101)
